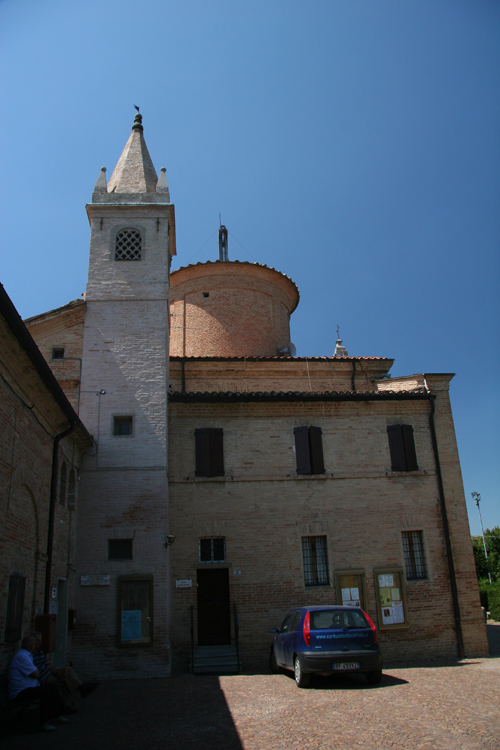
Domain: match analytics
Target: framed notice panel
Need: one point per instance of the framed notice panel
(391, 598)
(350, 588)
(135, 610)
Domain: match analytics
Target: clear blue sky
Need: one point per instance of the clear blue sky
(352, 144)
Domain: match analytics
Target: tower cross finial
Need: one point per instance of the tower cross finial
(338, 331)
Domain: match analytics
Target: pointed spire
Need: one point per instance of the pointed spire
(134, 172)
(162, 184)
(340, 351)
(100, 186)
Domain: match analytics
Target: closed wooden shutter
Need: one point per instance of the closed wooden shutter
(409, 447)
(216, 452)
(396, 447)
(402, 447)
(316, 450)
(202, 447)
(302, 454)
(209, 447)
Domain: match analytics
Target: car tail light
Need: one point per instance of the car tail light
(307, 628)
(370, 622)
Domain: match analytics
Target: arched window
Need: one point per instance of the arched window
(128, 245)
(62, 485)
(72, 489)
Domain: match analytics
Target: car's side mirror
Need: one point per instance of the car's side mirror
(274, 630)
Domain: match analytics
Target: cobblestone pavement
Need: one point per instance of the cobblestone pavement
(424, 708)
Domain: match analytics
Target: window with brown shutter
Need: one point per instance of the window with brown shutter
(309, 450)
(402, 447)
(15, 608)
(209, 452)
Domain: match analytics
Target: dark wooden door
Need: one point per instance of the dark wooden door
(214, 624)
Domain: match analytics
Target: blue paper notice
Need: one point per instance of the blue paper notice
(131, 625)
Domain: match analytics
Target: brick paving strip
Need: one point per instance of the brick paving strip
(425, 708)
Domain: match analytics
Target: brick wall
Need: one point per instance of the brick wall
(263, 509)
(230, 309)
(29, 420)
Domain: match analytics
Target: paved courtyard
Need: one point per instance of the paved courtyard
(423, 708)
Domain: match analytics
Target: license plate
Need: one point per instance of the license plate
(347, 665)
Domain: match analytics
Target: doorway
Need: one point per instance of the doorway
(214, 622)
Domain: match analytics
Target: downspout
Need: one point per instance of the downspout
(353, 377)
(183, 375)
(447, 539)
(52, 511)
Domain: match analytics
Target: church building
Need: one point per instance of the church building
(229, 479)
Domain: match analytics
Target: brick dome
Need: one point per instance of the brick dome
(230, 309)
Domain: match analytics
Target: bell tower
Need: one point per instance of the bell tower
(122, 560)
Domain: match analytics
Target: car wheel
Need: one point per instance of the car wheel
(301, 679)
(273, 664)
(374, 677)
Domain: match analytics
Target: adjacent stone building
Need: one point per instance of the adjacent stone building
(233, 480)
(42, 442)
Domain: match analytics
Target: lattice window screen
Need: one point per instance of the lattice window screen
(128, 245)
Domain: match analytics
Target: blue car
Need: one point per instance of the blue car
(326, 640)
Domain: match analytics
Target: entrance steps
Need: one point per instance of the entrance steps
(215, 660)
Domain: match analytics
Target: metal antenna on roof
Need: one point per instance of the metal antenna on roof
(223, 256)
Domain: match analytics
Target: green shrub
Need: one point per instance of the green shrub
(490, 598)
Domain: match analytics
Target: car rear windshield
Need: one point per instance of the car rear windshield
(327, 619)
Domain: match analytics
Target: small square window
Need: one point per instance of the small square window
(119, 549)
(58, 353)
(122, 426)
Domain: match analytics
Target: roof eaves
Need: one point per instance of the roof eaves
(420, 394)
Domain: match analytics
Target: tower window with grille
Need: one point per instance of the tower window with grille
(128, 245)
(413, 550)
(315, 560)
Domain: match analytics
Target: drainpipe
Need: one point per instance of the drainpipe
(447, 539)
(52, 510)
(183, 375)
(353, 377)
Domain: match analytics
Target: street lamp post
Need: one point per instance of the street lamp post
(477, 497)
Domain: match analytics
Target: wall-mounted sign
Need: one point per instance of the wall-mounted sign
(96, 580)
(183, 583)
(237, 572)
(391, 598)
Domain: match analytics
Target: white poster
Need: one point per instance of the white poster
(397, 612)
(387, 616)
